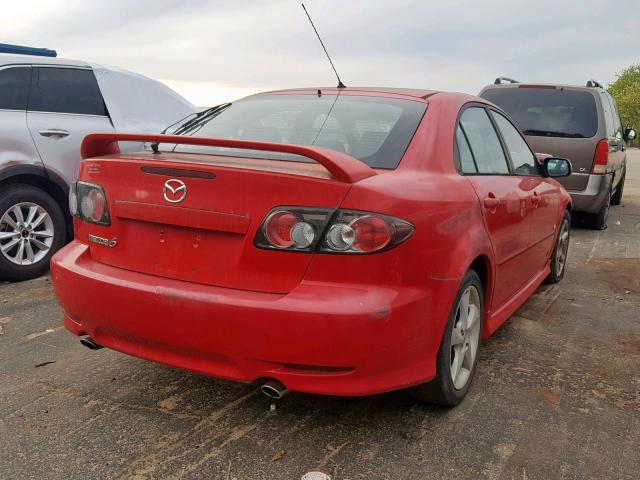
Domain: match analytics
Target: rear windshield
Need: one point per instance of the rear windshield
(375, 130)
(548, 112)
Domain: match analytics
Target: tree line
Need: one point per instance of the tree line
(626, 91)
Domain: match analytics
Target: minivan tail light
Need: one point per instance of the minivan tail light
(88, 202)
(601, 157)
(303, 229)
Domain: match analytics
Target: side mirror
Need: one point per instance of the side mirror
(629, 134)
(557, 167)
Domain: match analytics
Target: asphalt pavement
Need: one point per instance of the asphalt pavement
(557, 396)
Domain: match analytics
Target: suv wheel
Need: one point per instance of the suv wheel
(32, 229)
(616, 198)
(458, 353)
(598, 220)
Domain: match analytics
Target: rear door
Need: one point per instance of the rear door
(17, 144)
(65, 104)
(544, 194)
(503, 197)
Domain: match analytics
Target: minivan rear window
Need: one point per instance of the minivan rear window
(551, 112)
(375, 130)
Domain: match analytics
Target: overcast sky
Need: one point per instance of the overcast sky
(216, 50)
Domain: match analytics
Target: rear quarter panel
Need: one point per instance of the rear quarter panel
(449, 235)
(445, 212)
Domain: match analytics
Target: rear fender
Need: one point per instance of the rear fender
(473, 244)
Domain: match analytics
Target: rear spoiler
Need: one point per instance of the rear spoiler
(343, 167)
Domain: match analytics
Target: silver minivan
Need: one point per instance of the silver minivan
(47, 106)
(580, 123)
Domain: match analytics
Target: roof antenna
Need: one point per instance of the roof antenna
(340, 84)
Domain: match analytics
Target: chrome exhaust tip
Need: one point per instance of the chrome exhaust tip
(90, 344)
(274, 389)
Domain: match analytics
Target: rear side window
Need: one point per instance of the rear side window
(14, 88)
(521, 156)
(483, 140)
(66, 90)
(617, 125)
(608, 115)
(548, 112)
(467, 162)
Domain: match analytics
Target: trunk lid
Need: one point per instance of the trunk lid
(208, 237)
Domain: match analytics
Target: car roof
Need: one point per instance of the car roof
(12, 59)
(405, 92)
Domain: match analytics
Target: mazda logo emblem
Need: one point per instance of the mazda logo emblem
(174, 190)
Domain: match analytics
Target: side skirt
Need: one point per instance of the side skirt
(497, 318)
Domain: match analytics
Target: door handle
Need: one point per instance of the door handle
(490, 201)
(54, 132)
(535, 200)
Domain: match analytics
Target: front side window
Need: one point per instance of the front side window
(66, 90)
(14, 88)
(521, 157)
(375, 130)
(483, 140)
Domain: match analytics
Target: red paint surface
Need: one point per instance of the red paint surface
(186, 286)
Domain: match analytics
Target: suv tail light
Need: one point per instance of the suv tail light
(601, 158)
(88, 202)
(303, 229)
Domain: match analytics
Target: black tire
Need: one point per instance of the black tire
(560, 251)
(616, 198)
(20, 193)
(441, 390)
(598, 220)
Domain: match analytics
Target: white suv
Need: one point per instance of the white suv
(47, 106)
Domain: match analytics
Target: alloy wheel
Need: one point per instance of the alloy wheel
(26, 233)
(562, 248)
(465, 337)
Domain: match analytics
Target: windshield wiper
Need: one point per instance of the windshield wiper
(178, 122)
(200, 117)
(550, 133)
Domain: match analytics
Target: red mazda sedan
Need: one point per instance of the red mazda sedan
(337, 241)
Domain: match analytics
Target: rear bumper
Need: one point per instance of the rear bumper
(337, 339)
(594, 196)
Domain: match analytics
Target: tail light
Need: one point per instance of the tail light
(303, 229)
(88, 202)
(601, 158)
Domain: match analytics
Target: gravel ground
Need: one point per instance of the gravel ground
(557, 396)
